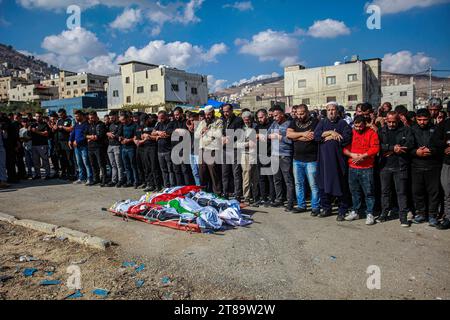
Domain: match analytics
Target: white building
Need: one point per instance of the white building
(152, 86)
(349, 83)
(32, 93)
(400, 94)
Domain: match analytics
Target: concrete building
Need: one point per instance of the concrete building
(254, 103)
(72, 85)
(348, 83)
(91, 100)
(399, 94)
(153, 86)
(8, 83)
(32, 93)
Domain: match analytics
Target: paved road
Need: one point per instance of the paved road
(280, 256)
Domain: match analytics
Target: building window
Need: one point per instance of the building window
(403, 93)
(68, 83)
(68, 92)
(115, 93)
(83, 91)
(175, 87)
(331, 81)
(306, 101)
(127, 80)
(75, 91)
(128, 99)
(154, 88)
(75, 83)
(140, 89)
(83, 81)
(331, 99)
(302, 83)
(194, 91)
(353, 97)
(352, 77)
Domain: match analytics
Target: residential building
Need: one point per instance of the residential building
(348, 83)
(8, 83)
(399, 94)
(91, 100)
(153, 86)
(32, 93)
(72, 85)
(254, 103)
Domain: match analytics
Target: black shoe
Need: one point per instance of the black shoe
(315, 213)
(111, 185)
(340, 218)
(37, 178)
(301, 210)
(48, 178)
(127, 185)
(445, 225)
(142, 186)
(277, 204)
(382, 218)
(149, 189)
(119, 185)
(293, 210)
(102, 185)
(325, 214)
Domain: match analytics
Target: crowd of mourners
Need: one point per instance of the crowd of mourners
(381, 164)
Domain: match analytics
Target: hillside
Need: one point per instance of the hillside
(20, 61)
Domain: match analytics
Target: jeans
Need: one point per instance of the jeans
(84, 166)
(129, 162)
(41, 153)
(3, 176)
(362, 180)
(400, 178)
(445, 180)
(115, 159)
(306, 172)
(195, 169)
(285, 173)
(29, 161)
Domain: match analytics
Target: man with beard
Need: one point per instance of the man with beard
(182, 171)
(301, 131)
(231, 169)
(162, 133)
(361, 153)
(115, 150)
(434, 106)
(209, 134)
(66, 157)
(333, 134)
(97, 144)
(266, 184)
(39, 136)
(426, 167)
(396, 142)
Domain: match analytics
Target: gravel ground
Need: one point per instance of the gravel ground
(280, 256)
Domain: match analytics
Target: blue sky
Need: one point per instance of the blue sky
(229, 40)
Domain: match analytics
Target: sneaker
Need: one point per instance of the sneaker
(325, 213)
(445, 225)
(370, 220)
(433, 222)
(382, 218)
(352, 216)
(340, 218)
(89, 184)
(78, 182)
(405, 225)
(420, 219)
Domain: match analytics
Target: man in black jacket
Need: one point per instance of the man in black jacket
(396, 142)
(97, 144)
(441, 141)
(231, 169)
(426, 169)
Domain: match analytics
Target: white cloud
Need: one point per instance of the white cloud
(396, 6)
(240, 5)
(127, 20)
(175, 54)
(104, 65)
(63, 4)
(328, 28)
(78, 41)
(406, 62)
(256, 78)
(215, 85)
(272, 45)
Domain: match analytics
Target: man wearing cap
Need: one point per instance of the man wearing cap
(209, 135)
(333, 134)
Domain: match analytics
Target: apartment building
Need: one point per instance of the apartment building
(8, 83)
(347, 83)
(151, 86)
(399, 94)
(72, 85)
(32, 92)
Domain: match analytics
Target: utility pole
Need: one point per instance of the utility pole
(431, 90)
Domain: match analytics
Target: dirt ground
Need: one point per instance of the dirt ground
(280, 256)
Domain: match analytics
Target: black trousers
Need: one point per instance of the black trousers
(183, 176)
(166, 165)
(232, 174)
(66, 159)
(400, 179)
(285, 173)
(151, 167)
(266, 186)
(425, 190)
(97, 158)
(20, 157)
(11, 157)
(140, 163)
(210, 174)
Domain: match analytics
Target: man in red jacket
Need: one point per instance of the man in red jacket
(361, 153)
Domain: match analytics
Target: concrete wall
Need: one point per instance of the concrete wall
(392, 94)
